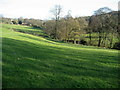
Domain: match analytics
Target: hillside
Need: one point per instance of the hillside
(35, 62)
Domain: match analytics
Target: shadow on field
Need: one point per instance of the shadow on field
(28, 65)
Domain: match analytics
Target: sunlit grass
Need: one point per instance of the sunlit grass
(33, 61)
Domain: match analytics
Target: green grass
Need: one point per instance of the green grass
(35, 62)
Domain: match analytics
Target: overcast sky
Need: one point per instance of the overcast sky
(40, 9)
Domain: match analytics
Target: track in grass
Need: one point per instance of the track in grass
(35, 62)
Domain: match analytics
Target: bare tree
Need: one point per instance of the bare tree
(100, 18)
(49, 28)
(56, 11)
(67, 24)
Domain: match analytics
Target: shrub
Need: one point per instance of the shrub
(83, 42)
(20, 22)
(14, 22)
(116, 45)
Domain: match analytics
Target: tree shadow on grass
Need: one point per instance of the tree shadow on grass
(28, 65)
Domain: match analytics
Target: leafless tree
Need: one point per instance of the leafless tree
(56, 11)
(100, 18)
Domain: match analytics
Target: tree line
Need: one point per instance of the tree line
(100, 29)
(23, 21)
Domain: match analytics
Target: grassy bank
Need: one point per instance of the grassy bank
(35, 62)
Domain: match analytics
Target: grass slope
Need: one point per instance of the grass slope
(34, 62)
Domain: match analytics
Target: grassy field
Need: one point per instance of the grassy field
(35, 62)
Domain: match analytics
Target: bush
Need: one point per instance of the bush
(14, 22)
(19, 22)
(83, 42)
(116, 45)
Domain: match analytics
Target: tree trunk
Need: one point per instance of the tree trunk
(90, 37)
(104, 41)
(74, 41)
(99, 41)
(111, 41)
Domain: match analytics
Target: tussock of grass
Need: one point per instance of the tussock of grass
(36, 62)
